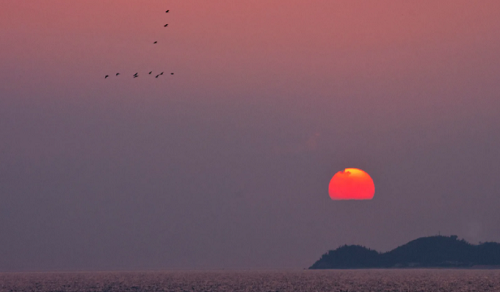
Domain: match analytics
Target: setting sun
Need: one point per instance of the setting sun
(351, 184)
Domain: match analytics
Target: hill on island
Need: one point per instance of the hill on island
(424, 252)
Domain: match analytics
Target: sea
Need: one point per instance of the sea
(441, 280)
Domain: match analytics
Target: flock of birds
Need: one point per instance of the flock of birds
(150, 72)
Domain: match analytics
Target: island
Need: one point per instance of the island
(424, 252)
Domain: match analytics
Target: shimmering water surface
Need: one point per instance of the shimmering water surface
(337, 280)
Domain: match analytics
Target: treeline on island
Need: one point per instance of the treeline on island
(433, 251)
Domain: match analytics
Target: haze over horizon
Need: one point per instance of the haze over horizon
(226, 164)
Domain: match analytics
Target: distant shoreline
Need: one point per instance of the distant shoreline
(434, 252)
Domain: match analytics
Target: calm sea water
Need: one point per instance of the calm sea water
(338, 280)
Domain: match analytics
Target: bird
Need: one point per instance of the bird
(135, 75)
(155, 42)
(161, 73)
(117, 74)
(150, 72)
(165, 25)
(106, 76)
(172, 73)
(167, 11)
(157, 76)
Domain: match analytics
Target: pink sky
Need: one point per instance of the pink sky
(269, 100)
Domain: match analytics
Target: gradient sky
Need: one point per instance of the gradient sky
(226, 164)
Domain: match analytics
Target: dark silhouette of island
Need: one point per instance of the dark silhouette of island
(424, 252)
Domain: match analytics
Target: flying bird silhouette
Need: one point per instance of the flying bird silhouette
(150, 72)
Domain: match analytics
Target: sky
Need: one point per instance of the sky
(226, 164)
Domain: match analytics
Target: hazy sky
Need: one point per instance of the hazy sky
(227, 163)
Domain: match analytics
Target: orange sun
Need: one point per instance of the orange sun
(351, 184)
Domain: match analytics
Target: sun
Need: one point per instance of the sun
(351, 184)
